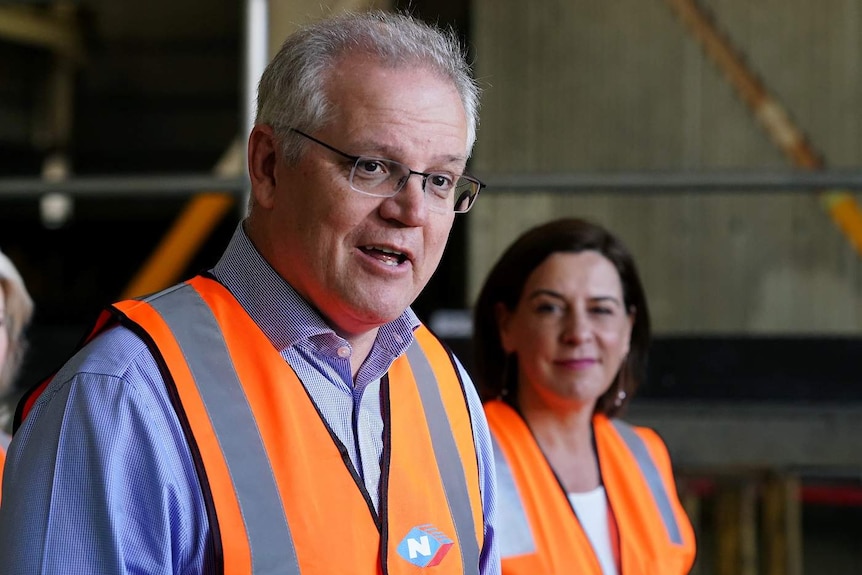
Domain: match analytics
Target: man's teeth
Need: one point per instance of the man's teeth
(387, 256)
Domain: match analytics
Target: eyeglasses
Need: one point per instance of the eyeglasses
(383, 178)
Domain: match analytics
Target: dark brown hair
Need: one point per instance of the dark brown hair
(496, 373)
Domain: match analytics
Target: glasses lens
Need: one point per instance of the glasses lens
(466, 191)
(444, 195)
(385, 178)
(378, 177)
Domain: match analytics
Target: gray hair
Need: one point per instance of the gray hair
(291, 93)
(19, 310)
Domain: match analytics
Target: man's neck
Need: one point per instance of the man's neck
(360, 349)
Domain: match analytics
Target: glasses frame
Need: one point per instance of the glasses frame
(425, 175)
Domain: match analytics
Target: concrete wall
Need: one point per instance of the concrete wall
(578, 86)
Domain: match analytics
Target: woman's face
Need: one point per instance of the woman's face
(570, 330)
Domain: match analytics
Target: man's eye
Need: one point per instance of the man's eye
(441, 181)
(370, 167)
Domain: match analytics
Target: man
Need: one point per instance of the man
(286, 412)
(16, 311)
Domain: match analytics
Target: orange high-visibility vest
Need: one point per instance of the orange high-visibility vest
(2, 463)
(538, 530)
(282, 493)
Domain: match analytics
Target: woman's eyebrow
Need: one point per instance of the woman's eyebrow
(545, 292)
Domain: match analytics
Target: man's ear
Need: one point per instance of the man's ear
(263, 154)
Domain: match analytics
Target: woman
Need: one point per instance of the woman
(16, 309)
(561, 331)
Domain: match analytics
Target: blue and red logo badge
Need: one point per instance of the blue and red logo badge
(424, 546)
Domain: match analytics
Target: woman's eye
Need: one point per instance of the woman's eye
(543, 308)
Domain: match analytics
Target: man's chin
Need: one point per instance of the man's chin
(358, 318)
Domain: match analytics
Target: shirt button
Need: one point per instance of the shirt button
(398, 338)
(344, 352)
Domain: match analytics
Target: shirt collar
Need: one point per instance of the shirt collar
(284, 316)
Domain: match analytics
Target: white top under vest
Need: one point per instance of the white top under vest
(591, 507)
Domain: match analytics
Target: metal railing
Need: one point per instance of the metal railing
(636, 181)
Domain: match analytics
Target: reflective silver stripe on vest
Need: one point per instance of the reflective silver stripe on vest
(513, 530)
(199, 336)
(448, 458)
(653, 478)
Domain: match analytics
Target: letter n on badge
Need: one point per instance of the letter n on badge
(424, 546)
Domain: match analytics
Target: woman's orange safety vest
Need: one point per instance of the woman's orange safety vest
(539, 533)
(281, 492)
(2, 462)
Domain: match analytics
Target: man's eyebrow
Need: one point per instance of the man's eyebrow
(387, 152)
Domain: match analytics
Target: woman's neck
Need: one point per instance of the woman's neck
(565, 435)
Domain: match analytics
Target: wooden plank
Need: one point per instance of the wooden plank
(782, 525)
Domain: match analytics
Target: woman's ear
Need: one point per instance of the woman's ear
(631, 316)
(263, 154)
(504, 317)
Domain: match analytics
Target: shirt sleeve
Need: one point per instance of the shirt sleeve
(99, 478)
(489, 559)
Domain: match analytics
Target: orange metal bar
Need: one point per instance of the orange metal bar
(839, 204)
(201, 214)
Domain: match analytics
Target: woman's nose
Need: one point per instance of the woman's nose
(577, 327)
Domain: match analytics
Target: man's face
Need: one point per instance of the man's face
(4, 327)
(361, 260)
